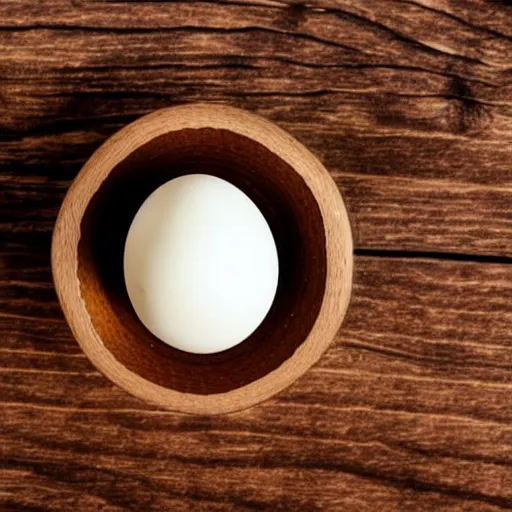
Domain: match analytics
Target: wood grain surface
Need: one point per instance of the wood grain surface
(409, 105)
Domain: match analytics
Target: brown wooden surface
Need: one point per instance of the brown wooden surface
(409, 104)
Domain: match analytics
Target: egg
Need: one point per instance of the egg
(200, 264)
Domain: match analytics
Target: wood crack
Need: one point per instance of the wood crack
(432, 255)
(458, 20)
(183, 28)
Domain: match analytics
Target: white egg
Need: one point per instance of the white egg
(200, 264)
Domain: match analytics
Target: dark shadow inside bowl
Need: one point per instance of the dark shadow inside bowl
(296, 223)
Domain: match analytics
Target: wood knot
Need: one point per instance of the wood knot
(292, 16)
(465, 114)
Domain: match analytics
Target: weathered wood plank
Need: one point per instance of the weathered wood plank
(409, 104)
(411, 403)
(348, 79)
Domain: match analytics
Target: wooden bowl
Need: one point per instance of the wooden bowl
(306, 215)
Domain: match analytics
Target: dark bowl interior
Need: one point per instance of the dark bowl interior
(297, 226)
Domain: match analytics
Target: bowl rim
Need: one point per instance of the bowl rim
(338, 241)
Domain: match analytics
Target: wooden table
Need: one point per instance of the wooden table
(409, 105)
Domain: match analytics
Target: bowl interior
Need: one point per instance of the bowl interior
(294, 218)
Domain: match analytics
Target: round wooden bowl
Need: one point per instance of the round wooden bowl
(306, 215)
